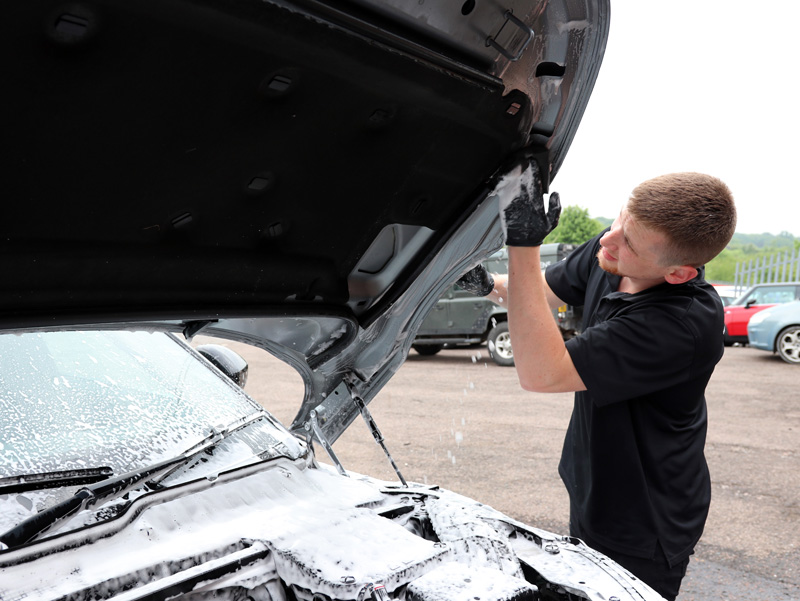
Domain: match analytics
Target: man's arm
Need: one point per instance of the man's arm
(500, 292)
(540, 356)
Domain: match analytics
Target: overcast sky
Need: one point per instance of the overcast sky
(694, 85)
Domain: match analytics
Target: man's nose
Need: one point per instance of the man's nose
(609, 238)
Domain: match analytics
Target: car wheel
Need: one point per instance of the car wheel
(788, 345)
(727, 340)
(426, 350)
(500, 345)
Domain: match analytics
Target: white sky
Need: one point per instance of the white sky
(694, 85)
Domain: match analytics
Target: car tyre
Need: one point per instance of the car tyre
(426, 350)
(500, 345)
(788, 345)
(726, 340)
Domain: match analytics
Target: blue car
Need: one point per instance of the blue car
(777, 329)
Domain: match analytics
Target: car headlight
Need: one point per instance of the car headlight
(758, 317)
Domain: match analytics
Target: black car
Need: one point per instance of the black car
(304, 176)
(460, 318)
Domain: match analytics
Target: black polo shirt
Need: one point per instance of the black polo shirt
(633, 460)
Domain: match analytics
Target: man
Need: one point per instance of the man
(632, 460)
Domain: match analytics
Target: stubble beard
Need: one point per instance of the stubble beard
(605, 265)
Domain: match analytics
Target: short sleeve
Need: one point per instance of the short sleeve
(568, 279)
(629, 356)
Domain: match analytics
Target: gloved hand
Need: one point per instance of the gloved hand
(477, 280)
(522, 211)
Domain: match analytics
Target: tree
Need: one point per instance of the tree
(574, 227)
(722, 268)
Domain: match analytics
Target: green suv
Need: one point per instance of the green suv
(460, 318)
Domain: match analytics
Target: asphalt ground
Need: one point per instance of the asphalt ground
(458, 420)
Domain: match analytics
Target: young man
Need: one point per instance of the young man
(632, 460)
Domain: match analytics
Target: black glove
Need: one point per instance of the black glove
(477, 280)
(524, 219)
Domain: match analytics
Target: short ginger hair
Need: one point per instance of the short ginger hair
(694, 211)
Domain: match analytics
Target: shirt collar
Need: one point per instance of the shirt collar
(614, 281)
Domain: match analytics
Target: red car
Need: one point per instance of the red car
(757, 298)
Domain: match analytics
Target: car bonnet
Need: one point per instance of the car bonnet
(304, 176)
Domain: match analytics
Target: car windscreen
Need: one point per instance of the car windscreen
(73, 400)
(769, 295)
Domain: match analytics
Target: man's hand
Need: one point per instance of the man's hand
(524, 219)
(477, 280)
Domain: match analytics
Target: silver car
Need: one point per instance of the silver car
(304, 176)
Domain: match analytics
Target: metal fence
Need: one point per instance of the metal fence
(780, 267)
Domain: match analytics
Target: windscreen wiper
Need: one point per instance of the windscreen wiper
(100, 492)
(57, 479)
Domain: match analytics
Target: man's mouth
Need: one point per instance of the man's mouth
(606, 255)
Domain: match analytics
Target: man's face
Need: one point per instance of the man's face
(631, 250)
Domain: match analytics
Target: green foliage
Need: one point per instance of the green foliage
(782, 241)
(748, 247)
(722, 268)
(604, 221)
(574, 227)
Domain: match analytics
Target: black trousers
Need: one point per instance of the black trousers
(655, 572)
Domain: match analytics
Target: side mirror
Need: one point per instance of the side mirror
(750, 303)
(227, 361)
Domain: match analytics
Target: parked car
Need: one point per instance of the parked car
(777, 330)
(727, 294)
(460, 318)
(755, 299)
(306, 177)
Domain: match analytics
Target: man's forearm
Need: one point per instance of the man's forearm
(500, 293)
(542, 361)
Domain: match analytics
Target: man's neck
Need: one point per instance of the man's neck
(632, 286)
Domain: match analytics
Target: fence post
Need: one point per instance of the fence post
(796, 258)
(782, 262)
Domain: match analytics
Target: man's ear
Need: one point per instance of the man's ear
(681, 274)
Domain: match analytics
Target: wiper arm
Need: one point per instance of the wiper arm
(46, 519)
(58, 479)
